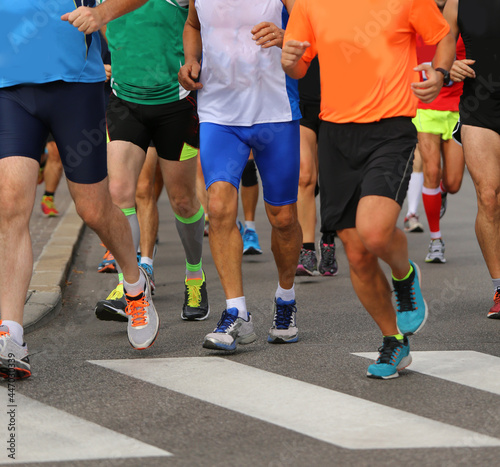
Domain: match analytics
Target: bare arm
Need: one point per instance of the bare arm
(89, 20)
(444, 57)
(291, 59)
(190, 71)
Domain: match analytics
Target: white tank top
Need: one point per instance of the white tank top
(243, 84)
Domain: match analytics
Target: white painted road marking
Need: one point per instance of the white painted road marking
(46, 434)
(320, 413)
(474, 369)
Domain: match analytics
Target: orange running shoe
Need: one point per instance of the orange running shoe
(108, 263)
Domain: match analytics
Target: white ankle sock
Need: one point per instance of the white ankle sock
(287, 295)
(135, 289)
(16, 331)
(240, 304)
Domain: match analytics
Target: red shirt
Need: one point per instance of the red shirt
(449, 96)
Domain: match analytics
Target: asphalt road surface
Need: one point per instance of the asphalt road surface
(95, 401)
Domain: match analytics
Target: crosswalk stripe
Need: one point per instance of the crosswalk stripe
(474, 369)
(320, 413)
(45, 434)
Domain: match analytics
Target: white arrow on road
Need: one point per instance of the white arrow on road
(323, 414)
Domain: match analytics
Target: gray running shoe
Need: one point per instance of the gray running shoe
(436, 252)
(14, 360)
(284, 329)
(444, 204)
(143, 323)
(308, 263)
(412, 224)
(230, 331)
(328, 262)
(113, 307)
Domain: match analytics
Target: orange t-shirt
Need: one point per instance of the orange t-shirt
(367, 52)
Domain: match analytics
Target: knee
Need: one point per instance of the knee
(184, 204)
(360, 260)
(283, 217)
(432, 175)
(375, 240)
(122, 193)
(489, 202)
(307, 178)
(144, 191)
(91, 211)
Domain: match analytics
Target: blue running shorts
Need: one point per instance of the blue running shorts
(73, 112)
(224, 152)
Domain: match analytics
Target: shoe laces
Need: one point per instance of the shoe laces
(225, 321)
(283, 315)
(194, 293)
(389, 351)
(136, 309)
(405, 295)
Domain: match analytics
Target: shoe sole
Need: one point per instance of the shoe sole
(252, 251)
(185, 318)
(328, 274)
(211, 344)
(494, 315)
(302, 271)
(281, 340)
(415, 230)
(406, 362)
(435, 261)
(16, 372)
(107, 314)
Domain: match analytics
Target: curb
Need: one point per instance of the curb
(47, 284)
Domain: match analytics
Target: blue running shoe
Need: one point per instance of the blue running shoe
(411, 307)
(284, 329)
(251, 243)
(230, 330)
(108, 263)
(240, 228)
(150, 275)
(394, 355)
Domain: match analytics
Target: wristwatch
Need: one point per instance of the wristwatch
(446, 75)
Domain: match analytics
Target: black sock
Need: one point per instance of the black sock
(328, 238)
(309, 246)
(49, 193)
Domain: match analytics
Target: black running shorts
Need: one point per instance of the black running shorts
(362, 159)
(167, 126)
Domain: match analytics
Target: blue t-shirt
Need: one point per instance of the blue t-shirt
(36, 46)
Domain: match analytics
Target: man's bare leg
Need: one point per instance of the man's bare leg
(17, 192)
(147, 208)
(482, 155)
(369, 282)
(225, 239)
(286, 241)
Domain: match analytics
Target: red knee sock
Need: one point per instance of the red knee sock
(431, 198)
